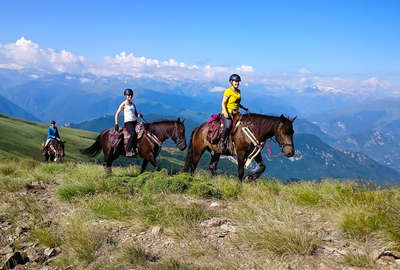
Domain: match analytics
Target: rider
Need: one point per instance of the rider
(230, 107)
(130, 120)
(52, 133)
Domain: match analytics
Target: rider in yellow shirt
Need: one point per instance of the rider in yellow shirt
(230, 107)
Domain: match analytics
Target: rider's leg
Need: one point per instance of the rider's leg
(227, 130)
(131, 147)
(46, 145)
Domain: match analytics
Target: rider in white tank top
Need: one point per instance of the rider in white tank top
(130, 113)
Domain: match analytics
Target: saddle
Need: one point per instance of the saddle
(216, 127)
(122, 134)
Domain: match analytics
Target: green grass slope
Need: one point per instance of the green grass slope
(23, 138)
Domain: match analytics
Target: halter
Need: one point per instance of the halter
(175, 134)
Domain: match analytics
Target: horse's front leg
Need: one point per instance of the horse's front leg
(144, 165)
(153, 162)
(240, 159)
(214, 163)
(260, 169)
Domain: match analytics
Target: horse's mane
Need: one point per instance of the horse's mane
(162, 125)
(263, 120)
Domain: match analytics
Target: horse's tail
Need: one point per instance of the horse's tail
(189, 156)
(92, 150)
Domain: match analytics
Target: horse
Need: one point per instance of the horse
(261, 127)
(149, 146)
(55, 150)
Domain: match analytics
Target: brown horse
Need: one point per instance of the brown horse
(55, 150)
(148, 146)
(261, 126)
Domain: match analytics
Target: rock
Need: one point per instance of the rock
(228, 228)
(214, 204)
(394, 254)
(20, 230)
(323, 266)
(157, 230)
(50, 252)
(6, 250)
(214, 222)
(14, 259)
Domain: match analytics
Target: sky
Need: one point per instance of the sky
(356, 41)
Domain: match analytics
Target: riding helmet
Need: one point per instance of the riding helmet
(235, 77)
(53, 122)
(128, 92)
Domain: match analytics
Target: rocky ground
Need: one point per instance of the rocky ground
(217, 246)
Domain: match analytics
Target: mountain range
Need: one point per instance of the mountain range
(344, 122)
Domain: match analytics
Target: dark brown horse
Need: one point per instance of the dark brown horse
(55, 150)
(262, 126)
(148, 146)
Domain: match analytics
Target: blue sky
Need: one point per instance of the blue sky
(335, 38)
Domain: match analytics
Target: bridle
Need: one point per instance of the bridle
(277, 141)
(179, 141)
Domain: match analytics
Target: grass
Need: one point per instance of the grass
(272, 220)
(359, 259)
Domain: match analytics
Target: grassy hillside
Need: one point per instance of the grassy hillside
(20, 138)
(23, 139)
(71, 216)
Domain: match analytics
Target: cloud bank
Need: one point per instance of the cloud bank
(26, 54)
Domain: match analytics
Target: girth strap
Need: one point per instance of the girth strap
(257, 145)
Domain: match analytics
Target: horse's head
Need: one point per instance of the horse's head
(284, 135)
(179, 134)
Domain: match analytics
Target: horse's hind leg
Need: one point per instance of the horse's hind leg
(197, 153)
(260, 169)
(214, 163)
(144, 165)
(108, 160)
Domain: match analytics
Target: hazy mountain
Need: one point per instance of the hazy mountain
(7, 107)
(314, 159)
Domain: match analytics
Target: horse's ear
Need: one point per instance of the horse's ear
(179, 120)
(294, 118)
(282, 118)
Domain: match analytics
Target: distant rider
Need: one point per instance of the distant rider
(52, 133)
(230, 107)
(130, 120)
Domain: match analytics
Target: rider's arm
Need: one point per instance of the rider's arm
(56, 135)
(243, 107)
(223, 105)
(120, 108)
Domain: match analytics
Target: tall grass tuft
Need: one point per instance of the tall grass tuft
(85, 240)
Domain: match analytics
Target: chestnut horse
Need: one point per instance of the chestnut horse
(148, 146)
(261, 126)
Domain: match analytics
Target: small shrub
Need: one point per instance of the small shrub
(134, 256)
(53, 168)
(70, 191)
(12, 184)
(8, 170)
(45, 237)
(84, 240)
(359, 259)
(205, 190)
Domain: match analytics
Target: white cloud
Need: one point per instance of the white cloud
(375, 83)
(244, 68)
(26, 54)
(217, 89)
(304, 71)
